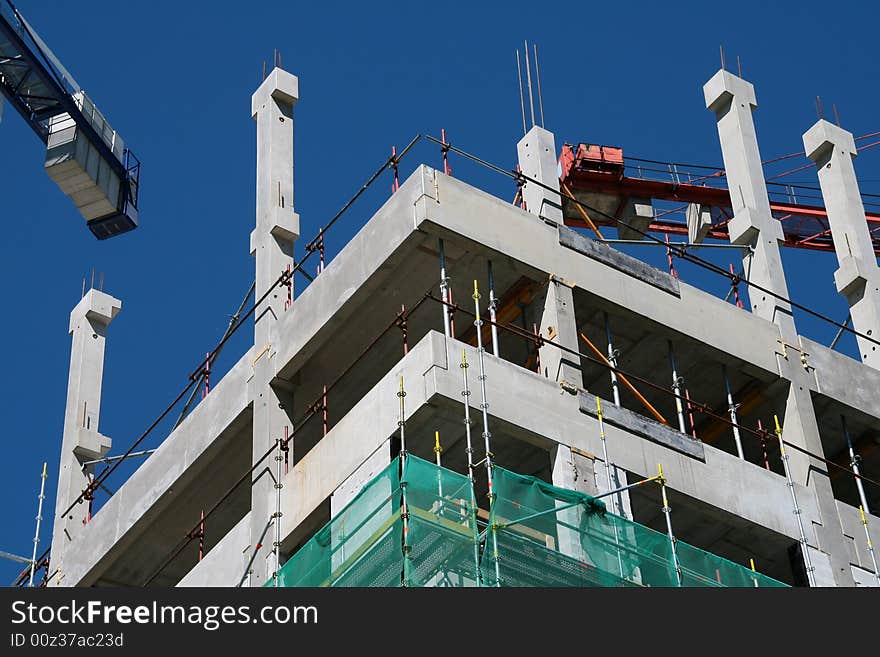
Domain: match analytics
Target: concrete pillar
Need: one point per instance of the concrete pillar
(732, 99)
(277, 227)
(559, 325)
(81, 439)
(571, 470)
(537, 159)
(858, 277)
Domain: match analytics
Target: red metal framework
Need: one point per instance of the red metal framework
(591, 171)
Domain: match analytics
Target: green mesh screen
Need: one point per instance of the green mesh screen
(538, 535)
(541, 535)
(364, 544)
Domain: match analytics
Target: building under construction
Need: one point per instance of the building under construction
(479, 392)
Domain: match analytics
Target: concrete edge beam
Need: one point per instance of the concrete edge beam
(620, 261)
(643, 426)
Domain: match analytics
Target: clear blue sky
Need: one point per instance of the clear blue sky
(175, 79)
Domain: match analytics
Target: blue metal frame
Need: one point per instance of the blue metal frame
(38, 87)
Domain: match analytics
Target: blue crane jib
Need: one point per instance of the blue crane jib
(84, 156)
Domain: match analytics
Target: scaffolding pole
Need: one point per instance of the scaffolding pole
(599, 415)
(612, 360)
(493, 305)
(438, 450)
(811, 577)
(404, 510)
(444, 288)
(854, 464)
(484, 407)
(279, 463)
(40, 519)
(731, 408)
(466, 396)
(615, 507)
(677, 382)
(661, 480)
(870, 543)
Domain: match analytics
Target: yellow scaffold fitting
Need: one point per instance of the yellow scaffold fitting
(661, 480)
(752, 564)
(599, 407)
(464, 358)
(437, 449)
(862, 513)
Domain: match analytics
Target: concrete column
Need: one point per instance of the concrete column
(81, 440)
(732, 99)
(858, 277)
(559, 325)
(277, 227)
(572, 470)
(537, 159)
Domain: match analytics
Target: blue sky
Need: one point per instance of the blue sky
(175, 79)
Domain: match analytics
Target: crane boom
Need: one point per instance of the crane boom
(85, 156)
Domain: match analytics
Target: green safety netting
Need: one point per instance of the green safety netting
(542, 535)
(538, 535)
(363, 545)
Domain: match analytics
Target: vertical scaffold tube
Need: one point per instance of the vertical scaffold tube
(870, 543)
(437, 452)
(493, 304)
(612, 360)
(676, 388)
(731, 408)
(811, 577)
(279, 461)
(668, 513)
(444, 289)
(615, 507)
(404, 510)
(40, 519)
(466, 397)
(854, 464)
(484, 407)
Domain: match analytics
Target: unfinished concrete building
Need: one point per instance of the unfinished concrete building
(314, 411)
